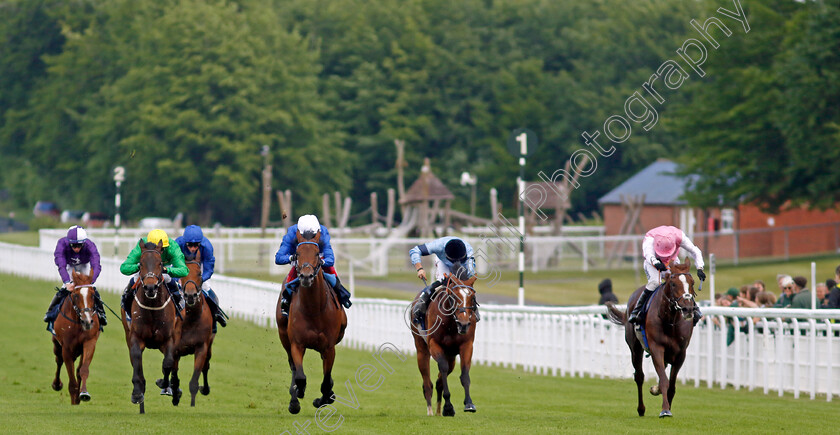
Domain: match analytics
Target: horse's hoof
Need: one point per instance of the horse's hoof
(294, 407)
(469, 408)
(664, 414)
(57, 386)
(84, 396)
(136, 398)
(166, 391)
(448, 410)
(205, 390)
(176, 397)
(654, 390)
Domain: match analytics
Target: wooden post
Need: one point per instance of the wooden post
(374, 212)
(400, 180)
(446, 216)
(494, 205)
(345, 212)
(325, 203)
(389, 217)
(285, 201)
(266, 193)
(338, 215)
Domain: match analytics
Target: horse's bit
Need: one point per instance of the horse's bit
(299, 266)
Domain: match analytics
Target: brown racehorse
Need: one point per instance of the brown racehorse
(197, 327)
(668, 325)
(316, 321)
(76, 332)
(153, 324)
(450, 332)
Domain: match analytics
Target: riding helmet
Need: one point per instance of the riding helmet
(455, 250)
(156, 236)
(76, 234)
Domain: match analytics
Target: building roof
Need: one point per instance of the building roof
(427, 187)
(657, 182)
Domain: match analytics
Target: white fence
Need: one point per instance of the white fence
(796, 355)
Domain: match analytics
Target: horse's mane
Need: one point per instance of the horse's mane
(460, 271)
(150, 245)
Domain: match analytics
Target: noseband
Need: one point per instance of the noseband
(79, 311)
(674, 303)
(457, 310)
(150, 274)
(299, 267)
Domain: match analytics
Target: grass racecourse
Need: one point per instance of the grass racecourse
(249, 377)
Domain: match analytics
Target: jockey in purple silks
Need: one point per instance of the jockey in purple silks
(75, 252)
(659, 249)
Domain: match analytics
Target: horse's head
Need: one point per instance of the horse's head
(461, 295)
(151, 268)
(192, 282)
(308, 256)
(82, 299)
(679, 289)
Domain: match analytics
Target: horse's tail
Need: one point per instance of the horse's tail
(615, 315)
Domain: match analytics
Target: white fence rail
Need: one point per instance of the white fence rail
(785, 350)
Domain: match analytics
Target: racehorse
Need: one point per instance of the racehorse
(316, 321)
(196, 329)
(450, 331)
(668, 326)
(153, 324)
(76, 332)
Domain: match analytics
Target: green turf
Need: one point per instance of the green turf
(25, 238)
(249, 378)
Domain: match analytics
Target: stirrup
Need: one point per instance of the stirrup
(284, 307)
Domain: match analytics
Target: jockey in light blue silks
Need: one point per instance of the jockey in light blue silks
(194, 241)
(451, 253)
(285, 255)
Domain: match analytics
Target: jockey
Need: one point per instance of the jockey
(172, 260)
(75, 252)
(450, 254)
(194, 241)
(285, 255)
(659, 248)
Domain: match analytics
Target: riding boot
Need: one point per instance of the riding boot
(477, 316)
(127, 296)
(100, 308)
(172, 285)
(634, 316)
(697, 314)
(285, 300)
(52, 311)
(218, 315)
(343, 294)
(421, 306)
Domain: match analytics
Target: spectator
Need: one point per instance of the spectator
(787, 285)
(765, 299)
(822, 295)
(834, 291)
(760, 285)
(750, 300)
(801, 297)
(732, 295)
(800, 282)
(607, 295)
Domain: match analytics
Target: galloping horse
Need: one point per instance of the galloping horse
(450, 321)
(196, 329)
(153, 324)
(316, 321)
(76, 332)
(668, 326)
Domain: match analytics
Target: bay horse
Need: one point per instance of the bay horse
(316, 321)
(153, 324)
(450, 332)
(196, 329)
(76, 332)
(668, 325)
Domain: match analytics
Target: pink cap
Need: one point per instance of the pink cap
(664, 246)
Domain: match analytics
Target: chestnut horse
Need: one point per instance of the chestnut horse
(153, 324)
(450, 322)
(668, 326)
(76, 332)
(196, 329)
(316, 321)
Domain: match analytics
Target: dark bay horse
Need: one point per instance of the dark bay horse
(153, 324)
(76, 333)
(196, 329)
(450, 323)
(316, 321)
(668, 325)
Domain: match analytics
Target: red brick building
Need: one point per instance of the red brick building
(742, 231)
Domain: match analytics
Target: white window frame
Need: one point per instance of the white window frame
(727, 220)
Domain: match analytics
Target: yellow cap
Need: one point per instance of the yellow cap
(156, 236)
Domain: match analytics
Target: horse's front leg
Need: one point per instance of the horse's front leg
(657, 353)
(170, 371)
(445, 366)
(135, 352)
(198, 365)
(84, 368)
(205, 389)
(59, 361)
(466, 361)
(72, 383)
(328, 357)
(675, 368)
(298, 387)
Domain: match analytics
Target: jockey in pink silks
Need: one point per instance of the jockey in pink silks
(659, 249)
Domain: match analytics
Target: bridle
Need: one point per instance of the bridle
(459, 309)
(299, 267)
(79, 311)
(674, 302)
(158, 282)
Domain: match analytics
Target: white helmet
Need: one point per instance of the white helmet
(308, 223)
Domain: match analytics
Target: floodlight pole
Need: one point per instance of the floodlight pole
(522, 138)
(119, 177)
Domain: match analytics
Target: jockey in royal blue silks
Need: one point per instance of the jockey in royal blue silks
(75, 252)
(451, 253)
(308, 224)
(194, 241)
